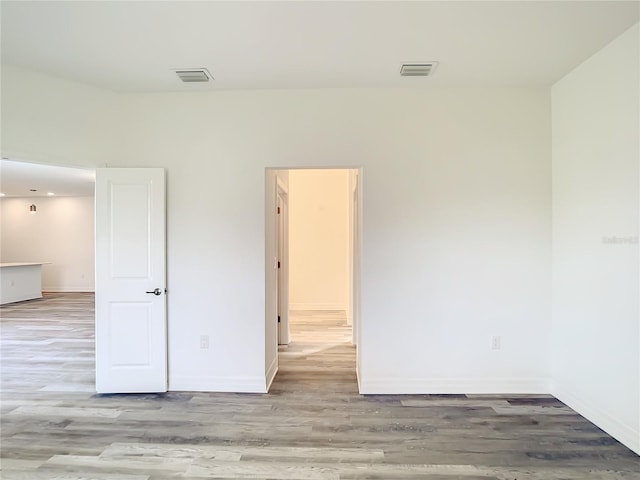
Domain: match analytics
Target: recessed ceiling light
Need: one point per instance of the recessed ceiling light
(194, 75)
(418, 69)
(1, 194)
(51, 194)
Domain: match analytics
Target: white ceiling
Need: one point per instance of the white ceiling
(133, 46)
(129, 46)
(18, 178)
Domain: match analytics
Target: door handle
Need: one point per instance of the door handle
(156, 291)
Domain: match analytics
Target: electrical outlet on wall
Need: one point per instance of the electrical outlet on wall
(495, 342)
(204, 341)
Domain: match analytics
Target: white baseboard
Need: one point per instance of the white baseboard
(218, 384)
(628, 435)
(317, 306)
(271, 372)
(67, 289)
(398, 386)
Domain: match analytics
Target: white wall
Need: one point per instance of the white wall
(595, 201)
(319, 239)
(61, 233)
(456, 221)
(56, 121)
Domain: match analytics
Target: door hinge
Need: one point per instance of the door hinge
(278, 318)
(278, 210)
(278, 264)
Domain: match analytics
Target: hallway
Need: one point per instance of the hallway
(320, 356)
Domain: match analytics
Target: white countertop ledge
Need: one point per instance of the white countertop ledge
(22, 264)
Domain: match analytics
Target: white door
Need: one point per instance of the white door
(282, 234)
(131, 327)
(283, 268)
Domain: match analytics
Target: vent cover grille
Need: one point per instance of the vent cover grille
(193, 75)
(418, 69)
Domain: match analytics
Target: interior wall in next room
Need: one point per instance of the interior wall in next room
(59, 233)
(319, 239)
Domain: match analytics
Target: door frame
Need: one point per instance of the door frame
(355, 252)
(282, 232)
(273, 179)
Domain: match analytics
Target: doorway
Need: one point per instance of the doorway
(312, 264)
(47, 215)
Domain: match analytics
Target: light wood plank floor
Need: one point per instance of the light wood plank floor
(313, 424)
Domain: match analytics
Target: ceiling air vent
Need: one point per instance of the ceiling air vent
(418, 69)
(192, 75)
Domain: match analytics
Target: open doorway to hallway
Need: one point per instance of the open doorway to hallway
(317, 245)
(320, 256)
